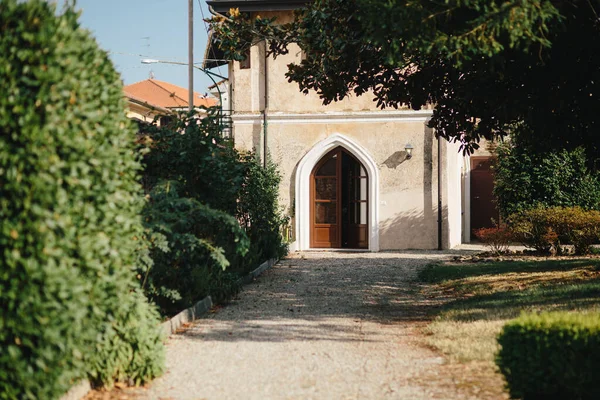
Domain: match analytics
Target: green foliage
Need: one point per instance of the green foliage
(549, 228)
(224, 285)
(475, 28)
(190, 242)
(69, 208)
(551, 356)
(193, 152)
(485, 64)
(209, 209)
(130, 349)
(525, 178)
(259, 212)
(533, 229)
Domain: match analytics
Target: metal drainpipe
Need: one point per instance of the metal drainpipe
(266, 107)
(439, 152)
(230, 85)
(191, 55)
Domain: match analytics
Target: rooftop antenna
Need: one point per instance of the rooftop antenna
(146, 39)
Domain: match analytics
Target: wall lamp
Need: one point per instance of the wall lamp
(408, 148)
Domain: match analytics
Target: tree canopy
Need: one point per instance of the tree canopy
(485, 64)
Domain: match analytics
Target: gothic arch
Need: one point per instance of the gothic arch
(302, 198)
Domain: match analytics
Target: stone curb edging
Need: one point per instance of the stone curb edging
(78, 391)
(191, 314)
(171, 326)
(188, 315)
(258, 271)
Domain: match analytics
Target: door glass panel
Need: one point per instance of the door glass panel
(363, 213)
(358, 213)
(326, 188)
(325, 213)
(328, 168)
(358, 189)
(356, 169)
(352, 214)
(363, 188)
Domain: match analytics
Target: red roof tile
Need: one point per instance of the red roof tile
(164, 94)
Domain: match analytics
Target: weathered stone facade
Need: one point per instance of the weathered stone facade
(296, 130)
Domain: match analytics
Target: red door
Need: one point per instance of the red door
(483, 203)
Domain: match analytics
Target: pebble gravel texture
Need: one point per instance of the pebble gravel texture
(318, 325)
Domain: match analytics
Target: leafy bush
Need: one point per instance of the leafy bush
(533, 229)
(188, 246)
(525, 178)
(69, 210)
(577, 227)
(193, 152)
(210, 209)
(224, 285)
(497, 239)
(551, 356)
(259, 212)
(129, 350)
(550, 228)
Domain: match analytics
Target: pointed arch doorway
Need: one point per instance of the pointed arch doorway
(339, 202)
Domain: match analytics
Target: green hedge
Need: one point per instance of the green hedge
(551, 356)
(546, 228)
(69, 212)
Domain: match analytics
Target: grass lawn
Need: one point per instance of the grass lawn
(480, 298)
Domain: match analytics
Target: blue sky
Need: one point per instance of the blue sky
(153, 28)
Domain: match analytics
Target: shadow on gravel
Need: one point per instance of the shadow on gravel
(329, 298)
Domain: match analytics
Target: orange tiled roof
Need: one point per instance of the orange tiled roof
(165, 94)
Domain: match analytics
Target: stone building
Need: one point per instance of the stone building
(349, 180)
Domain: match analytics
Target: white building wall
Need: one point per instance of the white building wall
(453, 172)
(407, 206)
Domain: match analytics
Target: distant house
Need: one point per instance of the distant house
(221, 91)
(151, 98)
(353, 176)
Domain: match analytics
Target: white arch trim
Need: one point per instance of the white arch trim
(303, 199)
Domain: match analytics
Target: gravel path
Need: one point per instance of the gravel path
(316, 326)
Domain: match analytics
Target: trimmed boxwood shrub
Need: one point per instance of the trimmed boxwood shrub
(551, 356)
(69, 212)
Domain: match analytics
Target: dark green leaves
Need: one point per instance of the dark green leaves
(69, 212)
(526, 177)
(484, 64)
(551, 356)
(212, 214)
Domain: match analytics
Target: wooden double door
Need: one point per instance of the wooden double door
(339, 202)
